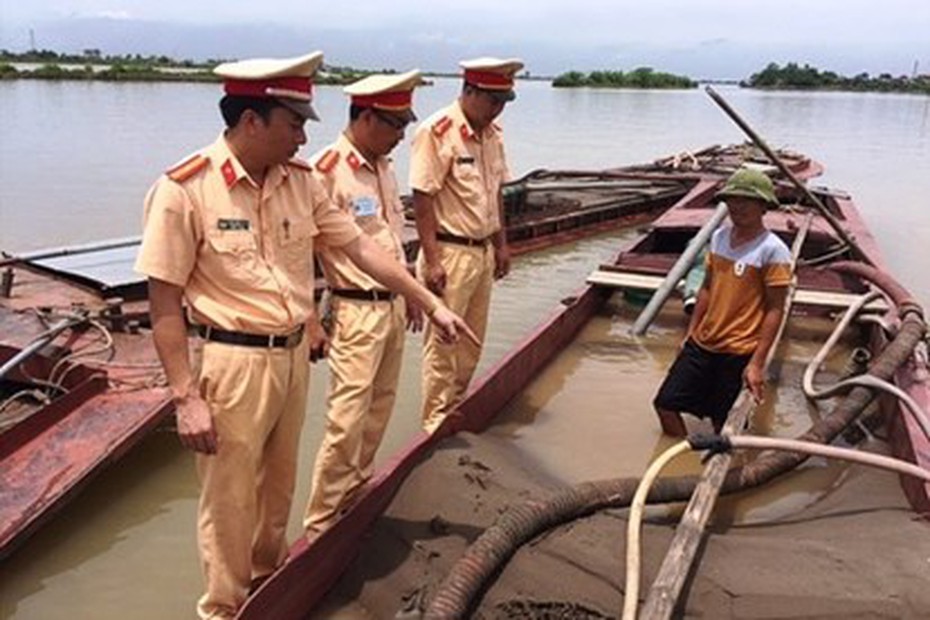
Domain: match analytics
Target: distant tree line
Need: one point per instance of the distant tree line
(643, 77)
(91, 64)
(96, 57)
(794, 76)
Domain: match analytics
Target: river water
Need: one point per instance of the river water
(77, 158)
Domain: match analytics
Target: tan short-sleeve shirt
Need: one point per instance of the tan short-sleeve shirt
(243, 253)
(462, 170)
(367, 191)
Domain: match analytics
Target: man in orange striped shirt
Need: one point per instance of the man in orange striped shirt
(738, 310)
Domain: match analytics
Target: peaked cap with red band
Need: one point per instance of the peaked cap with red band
(492, 74)
(389, 92)
(288, 80)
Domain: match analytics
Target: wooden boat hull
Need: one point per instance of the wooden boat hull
(312, 569)
(76, 444)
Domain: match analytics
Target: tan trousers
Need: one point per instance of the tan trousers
(448, 369)
(258, 398)
(365, 357)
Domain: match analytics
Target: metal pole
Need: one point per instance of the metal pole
(677, 272)
(36, 345)
(821, 208)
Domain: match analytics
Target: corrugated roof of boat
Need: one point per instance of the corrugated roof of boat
(107, 268)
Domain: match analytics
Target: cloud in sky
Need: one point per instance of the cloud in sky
(703, 38)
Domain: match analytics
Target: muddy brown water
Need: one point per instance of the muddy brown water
(125, 546)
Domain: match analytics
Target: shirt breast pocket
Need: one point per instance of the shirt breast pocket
(235, 251)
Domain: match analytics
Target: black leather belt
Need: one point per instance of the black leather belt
(364, 295)
(287, 341)
(450, 238)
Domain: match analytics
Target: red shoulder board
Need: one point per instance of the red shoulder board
(325, 163)
(442, 126)
(187, 168)
(296, 162)
(353, 161)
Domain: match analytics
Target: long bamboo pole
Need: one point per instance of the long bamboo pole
(821, 208)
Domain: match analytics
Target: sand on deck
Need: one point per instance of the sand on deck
(857, 552)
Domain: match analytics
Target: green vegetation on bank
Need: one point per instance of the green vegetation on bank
(795, 77)
(643, 77)
(96, 57)
(93, 65)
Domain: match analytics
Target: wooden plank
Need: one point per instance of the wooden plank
(833, 299)
(619, 279)
(803, 297)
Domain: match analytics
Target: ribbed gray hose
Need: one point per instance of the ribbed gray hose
(472, 574)
(864, 380)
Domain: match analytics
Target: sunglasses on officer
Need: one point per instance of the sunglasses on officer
(394, 122)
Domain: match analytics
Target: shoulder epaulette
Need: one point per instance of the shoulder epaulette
(326, 162)
(187, 168)
(441, 126)
(297, 162)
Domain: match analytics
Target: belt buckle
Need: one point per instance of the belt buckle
(293, 338)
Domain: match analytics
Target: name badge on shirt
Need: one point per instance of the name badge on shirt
(739, 268)
(364, 206)
(465, 160)
(225, 224)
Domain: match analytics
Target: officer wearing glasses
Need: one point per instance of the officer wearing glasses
(367, 322)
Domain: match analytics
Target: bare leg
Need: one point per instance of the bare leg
(671, 423)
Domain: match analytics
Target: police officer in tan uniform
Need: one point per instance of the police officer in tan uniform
(230, 231)
(367, 321)
(457, 167)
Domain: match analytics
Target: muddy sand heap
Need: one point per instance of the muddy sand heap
(858, 552)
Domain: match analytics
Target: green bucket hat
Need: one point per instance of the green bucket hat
(750, 183)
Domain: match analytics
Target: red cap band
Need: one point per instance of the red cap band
(259, 88)
(396, 100)
(486, 79)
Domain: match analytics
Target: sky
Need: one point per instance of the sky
(704, 39)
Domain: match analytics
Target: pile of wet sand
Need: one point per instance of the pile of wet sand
(858, 552)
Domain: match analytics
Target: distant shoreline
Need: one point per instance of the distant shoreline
(92, 65)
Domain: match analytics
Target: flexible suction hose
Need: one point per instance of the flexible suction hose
(472, 574)
(634, 525)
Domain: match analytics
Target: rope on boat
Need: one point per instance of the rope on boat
(472, 574)
(38, 395)
(725, 443)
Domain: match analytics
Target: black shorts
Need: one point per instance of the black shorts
(702, 383)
